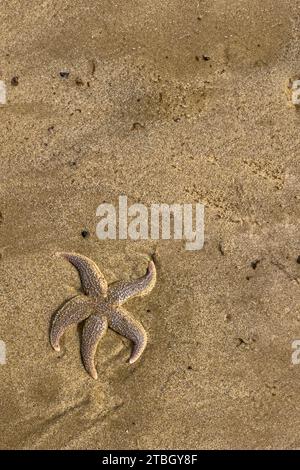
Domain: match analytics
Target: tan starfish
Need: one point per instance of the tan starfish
(100, 306)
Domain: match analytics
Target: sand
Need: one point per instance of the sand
(164, 102)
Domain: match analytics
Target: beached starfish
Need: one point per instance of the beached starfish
(100, 306)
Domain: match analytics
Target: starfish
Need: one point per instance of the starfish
(101, 307)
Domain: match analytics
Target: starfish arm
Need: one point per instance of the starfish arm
(120, 292)
(121, 322)
(73, 311)
(94, 328)
(92, 280)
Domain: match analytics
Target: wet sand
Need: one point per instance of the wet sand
(164, 102)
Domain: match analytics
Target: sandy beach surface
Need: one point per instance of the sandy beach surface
(164, 102)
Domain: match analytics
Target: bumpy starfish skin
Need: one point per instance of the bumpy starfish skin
(101, 307)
